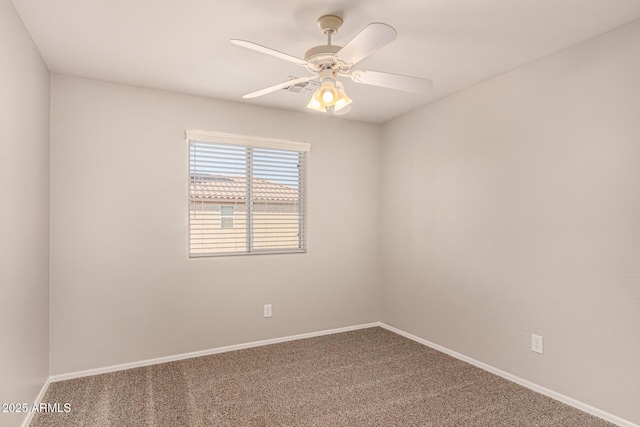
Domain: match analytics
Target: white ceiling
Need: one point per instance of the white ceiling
(183, 45)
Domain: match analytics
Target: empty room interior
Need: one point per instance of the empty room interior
(326, 213)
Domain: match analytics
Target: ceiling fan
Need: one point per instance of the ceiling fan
(328, 62)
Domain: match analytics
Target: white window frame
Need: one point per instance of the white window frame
(255, 142)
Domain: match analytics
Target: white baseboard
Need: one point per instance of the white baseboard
(525, 383)
(165, 359)
(43, 390)
(528, 384)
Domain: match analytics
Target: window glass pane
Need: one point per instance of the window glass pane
(245, 199)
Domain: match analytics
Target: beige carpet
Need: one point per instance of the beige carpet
(370, 377)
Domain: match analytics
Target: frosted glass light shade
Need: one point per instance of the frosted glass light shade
(316, 104)
(327, 94)
(343, 100)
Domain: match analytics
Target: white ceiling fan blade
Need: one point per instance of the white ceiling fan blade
(278, 87)
(268, 51)
(392, 81)
(370, 39)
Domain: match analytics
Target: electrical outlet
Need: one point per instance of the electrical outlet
(267, 310)
(536, 343)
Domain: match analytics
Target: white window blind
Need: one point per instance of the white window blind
(246, 197)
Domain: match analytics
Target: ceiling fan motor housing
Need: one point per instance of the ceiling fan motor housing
(323, 54)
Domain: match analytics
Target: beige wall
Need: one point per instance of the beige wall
(513, 208)
(24, 215)
(122, 286)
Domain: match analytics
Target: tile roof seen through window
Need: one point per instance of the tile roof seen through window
(229, 187)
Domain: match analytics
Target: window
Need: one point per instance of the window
(226, 216)
(246, 195)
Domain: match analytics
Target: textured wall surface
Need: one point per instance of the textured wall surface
(24, 215)
(123, 287)
(513, 208)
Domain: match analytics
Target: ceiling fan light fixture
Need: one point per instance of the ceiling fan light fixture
(343, 100)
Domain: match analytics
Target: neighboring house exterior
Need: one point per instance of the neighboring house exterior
(218, 215)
